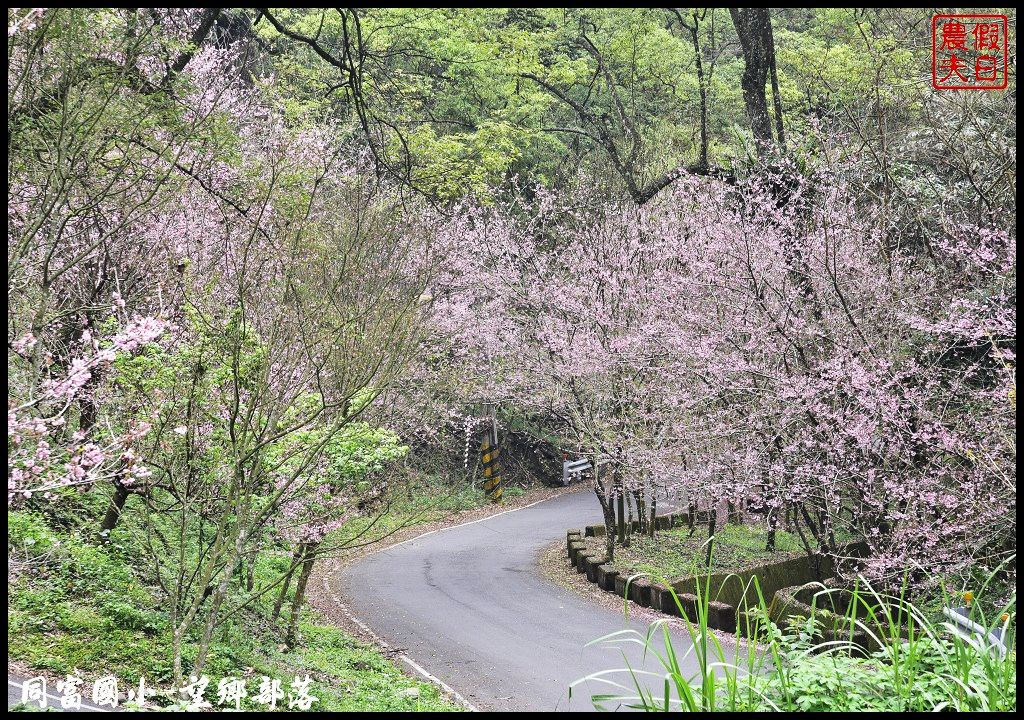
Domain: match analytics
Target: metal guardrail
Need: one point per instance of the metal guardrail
(572, 469)
(961, 624)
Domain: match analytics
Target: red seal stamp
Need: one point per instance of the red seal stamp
(969, 52)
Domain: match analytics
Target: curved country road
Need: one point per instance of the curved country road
(469, 605)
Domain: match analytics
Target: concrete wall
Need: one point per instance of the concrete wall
(729, 594)
(829, 609)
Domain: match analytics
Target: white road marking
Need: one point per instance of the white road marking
(387, 647)
(381, 641)
(469, 522)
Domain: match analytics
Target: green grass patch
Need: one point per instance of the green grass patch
(675, 553)
(926, 669)
(424, 499)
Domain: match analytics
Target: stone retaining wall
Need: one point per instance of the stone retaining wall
(830, 609)
(728, 591)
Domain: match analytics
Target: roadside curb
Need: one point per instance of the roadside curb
(641, 590)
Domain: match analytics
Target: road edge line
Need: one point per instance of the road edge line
(445, 687)
(452, 692)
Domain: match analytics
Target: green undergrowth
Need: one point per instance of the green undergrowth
(79, 602)
(919, 666)
(424, 499)
(675, 553)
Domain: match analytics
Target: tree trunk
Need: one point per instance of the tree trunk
(250, 579)
(211, 624)
(652, 521)
(641, 510)
(218, 598)
(815, 555)
(609, 538)
(776, 98)
(702, 87)
(629, 519)
(609, 529)
(116, 506)
(754, 28)
(287, 582)
(175, 645)
(620, 500)
(712, 524)
(176, 652)
(733, 515)
(828, 535)
(309, 555)
(815, 530)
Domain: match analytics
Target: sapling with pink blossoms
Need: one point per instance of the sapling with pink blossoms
(43, 454)
(348, 478)
(107, 108)
(289, 327)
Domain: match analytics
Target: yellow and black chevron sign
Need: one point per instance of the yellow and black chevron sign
(492, 470)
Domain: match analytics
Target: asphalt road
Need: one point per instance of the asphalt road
(468, 604)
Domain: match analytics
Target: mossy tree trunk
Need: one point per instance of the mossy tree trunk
(609, 530)
(620, 501)
(117, 502)
(606, 496)
(308, 557)
(286, 583)
(641, 509)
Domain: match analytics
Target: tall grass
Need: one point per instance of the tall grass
(918, 662)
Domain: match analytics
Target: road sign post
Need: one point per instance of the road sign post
(492, 469)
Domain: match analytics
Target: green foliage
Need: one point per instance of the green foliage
(423, 499)
(927, 669)
(919, 674)
(28, 531)
(77, 604)
(351, 453)
(359, 678)
(361, 450)
(461, 100)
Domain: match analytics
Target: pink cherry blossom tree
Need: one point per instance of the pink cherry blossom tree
(768, 343)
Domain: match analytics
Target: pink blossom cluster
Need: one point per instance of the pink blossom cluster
(44, 456)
